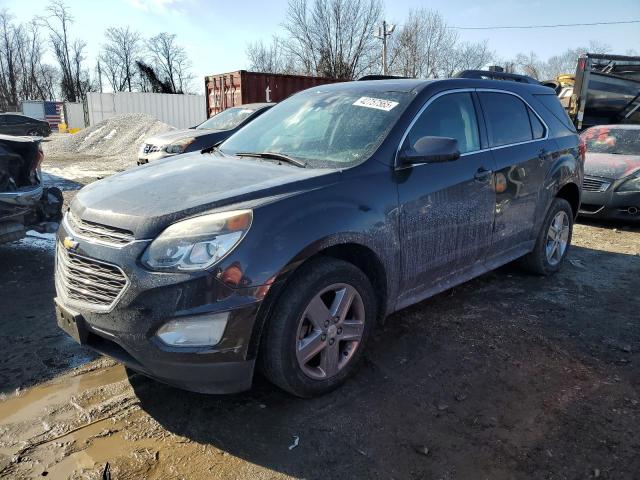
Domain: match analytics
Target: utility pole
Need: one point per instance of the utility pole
(383, 32)
(99, 70)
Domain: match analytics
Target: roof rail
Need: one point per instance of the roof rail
(488, 75)
(380, 77)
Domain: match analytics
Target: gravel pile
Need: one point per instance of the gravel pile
(115, 140)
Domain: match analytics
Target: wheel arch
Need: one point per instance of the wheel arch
(349, 250)
(571, 193)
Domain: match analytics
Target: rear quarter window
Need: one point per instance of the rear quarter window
(553, 105)
(507, 118)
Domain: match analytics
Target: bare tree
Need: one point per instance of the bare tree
(122, 48)
(425, 47)
(333, 38)
(530, 64)
(8, 62)
(170, 60)
(23, 73)
(465, 56)
(270, 58)
(74, 82)
(566, 62)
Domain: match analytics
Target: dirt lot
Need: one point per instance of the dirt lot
(507, 376)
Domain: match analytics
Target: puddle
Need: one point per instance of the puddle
(29, 405)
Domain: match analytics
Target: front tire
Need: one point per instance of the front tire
(554, 240)
(317, 332)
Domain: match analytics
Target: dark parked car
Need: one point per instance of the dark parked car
(24, 203)
(16, 124)
(340, 205)
(612, 173)
(208, 133)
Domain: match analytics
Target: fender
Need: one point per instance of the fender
(564, 170)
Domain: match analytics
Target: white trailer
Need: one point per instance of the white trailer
(177, 110)
(74, 115)
(33, 109)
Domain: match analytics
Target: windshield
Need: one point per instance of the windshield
(325, 129)
(619, 141)
(227, 119)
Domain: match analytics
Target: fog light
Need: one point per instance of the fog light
(196, 331)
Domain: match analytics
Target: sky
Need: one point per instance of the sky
(216, 32)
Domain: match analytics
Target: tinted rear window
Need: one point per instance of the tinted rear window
(552, 104)
(508, 118)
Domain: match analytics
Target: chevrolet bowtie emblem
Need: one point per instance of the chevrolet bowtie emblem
(69, 243)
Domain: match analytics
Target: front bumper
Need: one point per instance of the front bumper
(611, 205)
(126, 330)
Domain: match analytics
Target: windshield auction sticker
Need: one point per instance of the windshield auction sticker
(377, 103)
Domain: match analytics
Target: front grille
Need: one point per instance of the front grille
(89, 281)
(100, 233)
(593, 184)
(149, 148)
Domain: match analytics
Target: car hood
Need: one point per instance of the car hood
(146, 199)
(609, 165)
(175, 135)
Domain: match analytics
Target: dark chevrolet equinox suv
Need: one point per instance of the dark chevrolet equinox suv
(285, 245)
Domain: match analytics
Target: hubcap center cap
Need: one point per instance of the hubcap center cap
(332, 331)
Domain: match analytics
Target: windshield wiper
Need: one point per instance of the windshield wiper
(274, 156)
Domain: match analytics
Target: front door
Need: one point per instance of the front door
(446, 209)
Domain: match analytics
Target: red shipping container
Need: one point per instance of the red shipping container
(237, 88)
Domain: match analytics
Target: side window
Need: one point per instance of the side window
(452, 115)
(536, 125)
(13, 119)
(508, 118)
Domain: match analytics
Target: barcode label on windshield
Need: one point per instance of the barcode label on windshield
(377, 103)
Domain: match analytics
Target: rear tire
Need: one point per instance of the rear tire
(318, 330)
(553, 242)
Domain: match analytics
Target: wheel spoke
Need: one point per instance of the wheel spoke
(329, 360)
(317, 312)
(310, 346)
(342, 302)
(352, 330)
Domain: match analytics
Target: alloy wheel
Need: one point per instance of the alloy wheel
(330, 331)
(557, 238)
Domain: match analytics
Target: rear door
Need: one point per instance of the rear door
(446, 209)
(518, 142)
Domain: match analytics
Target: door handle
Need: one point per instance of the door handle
(542, 154)
(482, 175)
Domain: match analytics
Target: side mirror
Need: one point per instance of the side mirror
(431, 150)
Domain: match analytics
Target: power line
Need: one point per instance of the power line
(548, 26)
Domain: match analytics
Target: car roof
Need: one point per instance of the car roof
(395, 84)
(417, 85)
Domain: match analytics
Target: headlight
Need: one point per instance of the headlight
(199, 242)
(631, 184)
(180, 146)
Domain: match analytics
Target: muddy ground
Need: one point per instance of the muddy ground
(507, 376)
